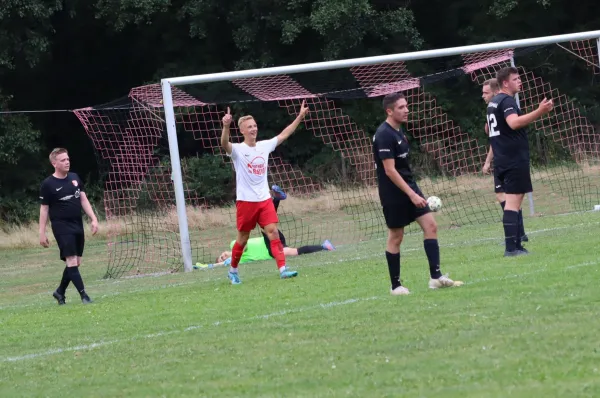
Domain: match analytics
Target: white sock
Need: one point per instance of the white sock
(282, 269)
(233, 270)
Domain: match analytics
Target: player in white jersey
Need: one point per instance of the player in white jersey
(253, 198)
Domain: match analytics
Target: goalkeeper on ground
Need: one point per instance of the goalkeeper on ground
(258, 249)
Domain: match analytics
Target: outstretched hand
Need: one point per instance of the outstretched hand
(546, 106)
(227, 118)
(303, 110)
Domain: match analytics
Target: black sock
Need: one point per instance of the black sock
(309, 249)
(502, 204)
(521, 226)
(393, 261)
(511, 229)
(76, 279)
(432, 250)
(64, 282)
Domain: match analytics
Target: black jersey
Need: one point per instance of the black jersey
(62, 195)
(389, 143)
(511, 147)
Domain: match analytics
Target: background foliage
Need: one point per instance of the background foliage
(69, 54)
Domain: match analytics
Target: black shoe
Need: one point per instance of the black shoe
(59, 297)
(524, 238)
(85, 299)
(515, 253)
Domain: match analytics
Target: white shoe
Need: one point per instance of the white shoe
(400, 291)
(444, 281)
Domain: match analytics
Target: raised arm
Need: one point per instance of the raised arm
(285, 134)
(225, 134)
(517, 122)
(87, 208)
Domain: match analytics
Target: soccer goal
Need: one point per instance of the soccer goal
(169, 187)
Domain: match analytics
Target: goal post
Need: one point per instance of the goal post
(186, 246)
(168, 83)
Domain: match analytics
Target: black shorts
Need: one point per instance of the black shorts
(403, 212)
(70, 245)
(498, 187)
(516, 181)
(268, 242)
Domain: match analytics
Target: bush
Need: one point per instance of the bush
(209, 177)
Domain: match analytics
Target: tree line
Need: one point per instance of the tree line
(66, 54)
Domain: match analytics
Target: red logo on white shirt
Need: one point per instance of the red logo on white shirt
(257, 166)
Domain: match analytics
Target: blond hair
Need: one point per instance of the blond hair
(55, 152)
(244, 118)
(493, 83)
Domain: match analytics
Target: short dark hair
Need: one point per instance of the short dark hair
(390, 99)
(493, 83)
(503, 74)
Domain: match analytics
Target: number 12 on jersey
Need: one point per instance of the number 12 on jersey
(492, 124)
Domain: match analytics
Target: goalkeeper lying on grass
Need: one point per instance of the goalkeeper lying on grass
(258, 249)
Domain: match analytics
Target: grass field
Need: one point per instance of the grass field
(521, 326)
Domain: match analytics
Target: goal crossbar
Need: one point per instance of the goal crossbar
(409, 56)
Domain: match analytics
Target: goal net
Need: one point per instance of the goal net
(326, 167)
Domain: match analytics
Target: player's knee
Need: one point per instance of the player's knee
(430, 227)
(72, 261)
(395, 237)
(242, 237)
(273, 235)
(271, 231)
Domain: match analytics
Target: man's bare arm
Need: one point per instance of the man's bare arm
(392, 173)
(43, 221)
(87, 208)
(517, 122)
(287, 132)
(225, 133)
(488, 161)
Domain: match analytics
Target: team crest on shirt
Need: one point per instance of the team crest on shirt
(74, 182)
(257, 166)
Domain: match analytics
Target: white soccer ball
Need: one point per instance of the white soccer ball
(435, 203)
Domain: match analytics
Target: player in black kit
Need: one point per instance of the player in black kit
(509, 142)
(62, 198)
(489, 90)
(401, 199)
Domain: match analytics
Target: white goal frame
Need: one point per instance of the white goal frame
(168, 83)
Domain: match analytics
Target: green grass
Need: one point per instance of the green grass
(521, 326)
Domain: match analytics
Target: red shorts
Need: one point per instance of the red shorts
(251, 213)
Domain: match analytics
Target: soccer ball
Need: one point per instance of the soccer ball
(435, 203)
